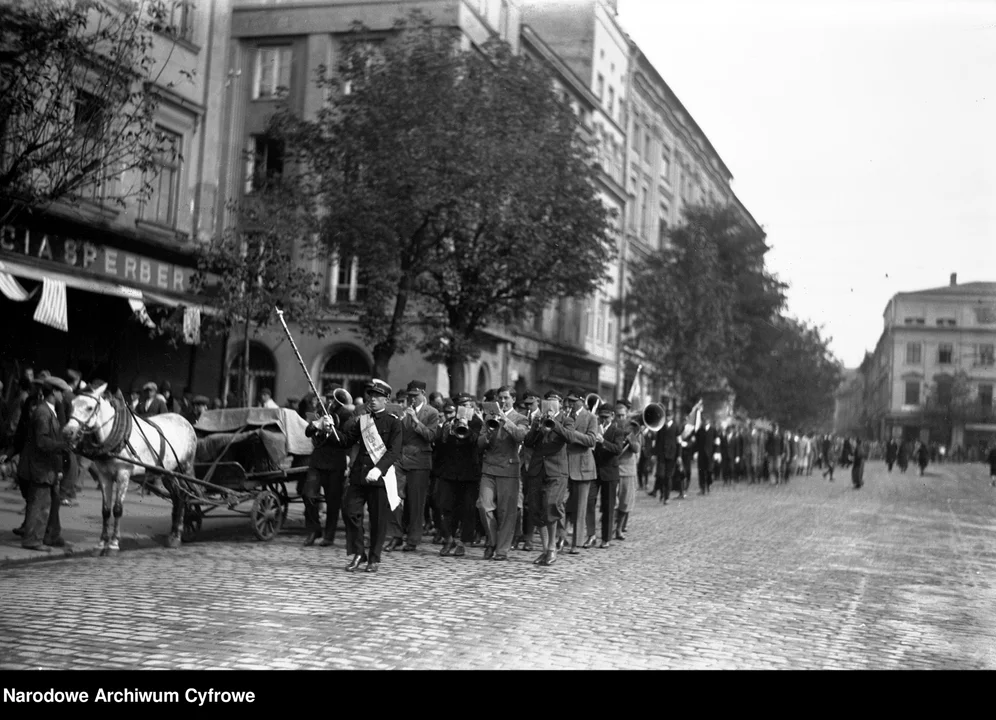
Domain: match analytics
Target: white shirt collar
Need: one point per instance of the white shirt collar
(52, 408)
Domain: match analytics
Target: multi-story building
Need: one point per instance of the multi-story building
(932, 373)
(849, 403)
(113, 261)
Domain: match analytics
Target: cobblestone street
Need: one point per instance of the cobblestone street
(899, 574)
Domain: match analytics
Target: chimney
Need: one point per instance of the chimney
(954, 279)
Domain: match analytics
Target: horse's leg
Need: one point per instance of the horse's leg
(106, 484)
(179, 510)
(120, 490)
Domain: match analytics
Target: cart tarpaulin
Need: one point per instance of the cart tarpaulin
(290, 424)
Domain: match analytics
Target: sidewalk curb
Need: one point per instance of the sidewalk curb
(129, 544)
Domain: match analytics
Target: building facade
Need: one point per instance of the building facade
(115, 264)
(932, 374)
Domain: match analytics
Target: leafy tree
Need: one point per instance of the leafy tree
(459, 181)
(257, 265)
(948, 402)
(78, 100)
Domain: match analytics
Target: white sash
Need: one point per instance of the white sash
(376, 449)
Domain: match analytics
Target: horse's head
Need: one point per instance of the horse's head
(85, 415)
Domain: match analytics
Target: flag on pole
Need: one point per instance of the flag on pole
(51, 308)
(192, 325)
(636, 389)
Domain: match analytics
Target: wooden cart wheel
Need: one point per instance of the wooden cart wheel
(193, 518)
(266, 515)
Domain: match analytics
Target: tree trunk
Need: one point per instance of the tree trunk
(384, 350)
(458, 379)
(244, 368)
(382, 354)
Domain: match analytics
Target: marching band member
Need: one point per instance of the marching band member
(581, 437)
(548, 473)
(665, 454)
(627, 468)
(458, 479)
(326, 472)
(531, 400)
(418, 430)
(607, 483)
(705, 445)
(378, 434)
(500, 489)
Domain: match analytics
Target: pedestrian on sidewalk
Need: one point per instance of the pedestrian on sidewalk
(42, 468)
(858, 464)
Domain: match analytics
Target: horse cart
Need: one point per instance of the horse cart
(245, 459)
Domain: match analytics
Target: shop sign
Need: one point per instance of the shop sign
(96, 259)
(567, 370)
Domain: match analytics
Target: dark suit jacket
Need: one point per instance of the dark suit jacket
(389, 428)
(42, 454)
(158, 407)
(327, 455)
(666, 443)
(457, 458)
(608, 451)
(705, 443)
(549, 450)
(416, 437)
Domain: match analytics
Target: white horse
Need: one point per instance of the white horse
(100, 428)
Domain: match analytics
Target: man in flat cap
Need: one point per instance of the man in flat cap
(499, 493)
(457, 472)
(581, 438)
(378, 436)
(418, 429)
(151, 403)
(547, 437)
(41, 466)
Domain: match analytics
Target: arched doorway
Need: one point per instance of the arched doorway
(262, 373)
(483, 379)
(348, 367)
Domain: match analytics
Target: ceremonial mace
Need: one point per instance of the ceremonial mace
(321, 404)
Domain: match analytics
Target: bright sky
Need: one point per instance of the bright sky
(860, 133)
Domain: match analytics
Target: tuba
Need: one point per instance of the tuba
(653, 416)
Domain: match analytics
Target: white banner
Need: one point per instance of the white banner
(376, 448)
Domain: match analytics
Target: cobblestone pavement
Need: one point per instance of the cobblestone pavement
(899, 574)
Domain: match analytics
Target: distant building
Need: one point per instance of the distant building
(849, 403)
(932, 373)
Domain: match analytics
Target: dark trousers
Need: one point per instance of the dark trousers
(416, 493)
(458, 502)
(41, 522)
(396, 518)
(604, 491)
(332, 483)
(375, 499)
(665, 477)
(577, 508)
(686, 467)
(705, 474)
(528, 526)
(68, 486)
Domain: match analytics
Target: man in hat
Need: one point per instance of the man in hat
(326, 473)
(499, 493)
(581, 437)
(41, 465)
(607, 451)
(151, 403)
(706, 444)
(666, 458)
(457, 473)
(418, 429)
(547, 472)
(377, 434)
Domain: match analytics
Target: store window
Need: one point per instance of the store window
(346, 367)
(262, 373)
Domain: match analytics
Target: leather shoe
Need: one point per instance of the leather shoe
(500, 557)
(40, 548)
(60, 542)
(393, 544)
(372, 566)
(605, 544)
(527, 547)
(560, 544)
(541, 560)
(409, 548)
(19, 531)
(551, 558)
(589, 542)
(460, 551)
(310, 540)
(574, 550)
(326, 542)
(447, 548)
(489, 552)
(619, 536)
(355, 563)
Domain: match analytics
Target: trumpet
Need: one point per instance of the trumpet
(550, 422)
(493, 423)
(593, 401)
(460, 428)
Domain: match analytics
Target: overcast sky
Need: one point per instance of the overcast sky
(860, 133)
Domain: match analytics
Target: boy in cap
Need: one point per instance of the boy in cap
(581, 438)
(376, 433)
(152, 403)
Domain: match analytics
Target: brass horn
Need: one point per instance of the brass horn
(342, 396)
(592, 401)
(653, 416)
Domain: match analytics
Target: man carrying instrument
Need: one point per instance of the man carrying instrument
(548, 473)
(531, 404)
(418, 429)
(607, 483)
(378, 435)
(499, 493)
(457, 473)
(326, 471)
(581, 437)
